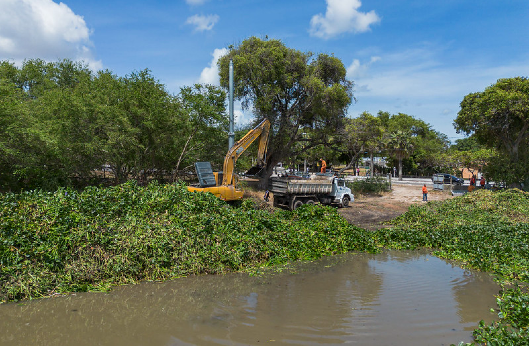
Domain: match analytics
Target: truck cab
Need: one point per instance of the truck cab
(341, 193)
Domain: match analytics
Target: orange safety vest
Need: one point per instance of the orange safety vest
(424, 190)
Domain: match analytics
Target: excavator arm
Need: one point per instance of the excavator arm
(227, 190)
(261, 131)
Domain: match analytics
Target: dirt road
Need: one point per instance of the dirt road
(372, 211)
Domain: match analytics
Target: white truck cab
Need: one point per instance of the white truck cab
(341, 193)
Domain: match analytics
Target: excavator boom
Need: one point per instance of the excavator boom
(261, 131)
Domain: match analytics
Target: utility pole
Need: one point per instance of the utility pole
(231, 134)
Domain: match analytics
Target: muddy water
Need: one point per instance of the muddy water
(394, 298)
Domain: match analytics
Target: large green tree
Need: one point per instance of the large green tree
(203, 126)
(297, 92)
(498, 117)
(60, 123)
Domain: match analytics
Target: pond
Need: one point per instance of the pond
(392, 298)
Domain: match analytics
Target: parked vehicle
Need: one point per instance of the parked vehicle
(291, 193)
(445, 178)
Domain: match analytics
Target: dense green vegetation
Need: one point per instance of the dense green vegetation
(77, 241)
(61, 123)
(72, 240)
(369, 185)
(498, 118)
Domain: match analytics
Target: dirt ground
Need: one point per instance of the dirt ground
(373, 211)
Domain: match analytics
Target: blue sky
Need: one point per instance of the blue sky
(417, 57)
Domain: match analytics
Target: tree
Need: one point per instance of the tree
(204, 125)
(499, 118)
(292, 89)
(359, 135)
(400, 145)
(427, 145)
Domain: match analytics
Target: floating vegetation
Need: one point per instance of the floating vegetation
(54, 243)
(81, 241)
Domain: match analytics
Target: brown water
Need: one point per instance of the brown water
(394, 298)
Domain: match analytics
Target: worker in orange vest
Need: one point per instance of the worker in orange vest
(323, 165)
(424, 193)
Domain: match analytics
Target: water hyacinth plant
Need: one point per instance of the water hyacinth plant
(93, 239)
(77, 241)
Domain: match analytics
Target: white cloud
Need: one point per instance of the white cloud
(342, 16)
(416, 82)
(203, 23)
(210, 75)
(43, 29)
(357, 70)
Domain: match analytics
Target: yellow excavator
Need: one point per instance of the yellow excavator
(223, 184)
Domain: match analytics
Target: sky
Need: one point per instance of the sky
(416, 57)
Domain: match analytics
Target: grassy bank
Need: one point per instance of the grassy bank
(90, 240)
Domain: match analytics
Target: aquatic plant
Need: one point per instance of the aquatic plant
(90, 240)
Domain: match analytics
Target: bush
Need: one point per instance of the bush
(369, 185)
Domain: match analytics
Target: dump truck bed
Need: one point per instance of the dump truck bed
(284, 185)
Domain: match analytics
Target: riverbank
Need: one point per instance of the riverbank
(69, 241)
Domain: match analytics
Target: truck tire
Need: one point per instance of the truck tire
(297, 203)
(345, 201)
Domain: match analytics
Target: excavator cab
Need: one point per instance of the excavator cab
(206, 177)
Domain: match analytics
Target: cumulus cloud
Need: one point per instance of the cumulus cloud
(356, 69)
(210, 75)
(203, 23)
(342, 16)
(43, 29)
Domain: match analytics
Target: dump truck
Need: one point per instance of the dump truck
(291, 193)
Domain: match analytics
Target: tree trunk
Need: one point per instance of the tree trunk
(372, 168)
(400, 169)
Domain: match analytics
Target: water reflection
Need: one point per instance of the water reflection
(397, 298)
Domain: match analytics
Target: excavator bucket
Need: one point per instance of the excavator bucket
(256, 171)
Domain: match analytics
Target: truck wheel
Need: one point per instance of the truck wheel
(345, 201)
(297, 204)
(310, 201)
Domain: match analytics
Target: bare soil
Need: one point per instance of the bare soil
(373, 211)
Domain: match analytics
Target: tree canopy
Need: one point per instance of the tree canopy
(62, 124)
(297, 92)
(498, 118)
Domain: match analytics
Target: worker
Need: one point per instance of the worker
(482, 181)
(323, 165)
(424, 193)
